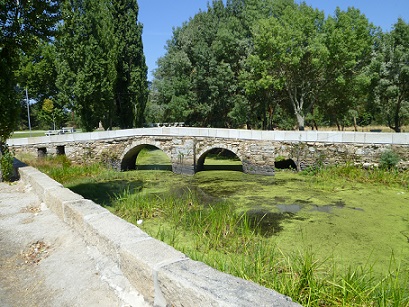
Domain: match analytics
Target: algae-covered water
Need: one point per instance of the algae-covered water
(347, 222)
(353, 224)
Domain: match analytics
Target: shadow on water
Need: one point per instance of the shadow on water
(103, 192)
(268, 223)
(156, 167)
(328, 208)
(196, 192)
(294, 208)
(219, 167)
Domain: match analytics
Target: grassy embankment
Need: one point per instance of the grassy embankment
(334, 237)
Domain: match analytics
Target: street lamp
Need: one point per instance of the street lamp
(28, 112)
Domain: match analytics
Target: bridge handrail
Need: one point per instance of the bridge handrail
(278, 136)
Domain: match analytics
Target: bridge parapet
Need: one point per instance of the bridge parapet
(293, 136)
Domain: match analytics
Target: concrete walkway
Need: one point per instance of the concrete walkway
(44, 262)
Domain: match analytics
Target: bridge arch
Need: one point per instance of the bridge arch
(217, 149)
(130, 154)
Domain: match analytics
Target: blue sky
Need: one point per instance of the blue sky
(160, 16)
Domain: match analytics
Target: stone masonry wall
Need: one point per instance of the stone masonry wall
(187, 147)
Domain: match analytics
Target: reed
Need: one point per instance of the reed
(219, 234)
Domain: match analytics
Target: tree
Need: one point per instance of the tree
(102, 74)
(131, 85)
(51, 113)
(22, 24)
(38, 73)
(290, 56)
(86, 62)
(349, 40)
(390, 77)
(197, 81)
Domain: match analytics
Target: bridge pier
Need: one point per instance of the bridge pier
(254, 169)
(185, 169)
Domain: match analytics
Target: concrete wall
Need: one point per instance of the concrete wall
(163, 275)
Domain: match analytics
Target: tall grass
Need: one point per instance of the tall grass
(349, 172)
(230, 241)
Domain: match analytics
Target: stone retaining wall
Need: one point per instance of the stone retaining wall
(163, 275)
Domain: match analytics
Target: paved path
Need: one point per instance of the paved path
(43, 262)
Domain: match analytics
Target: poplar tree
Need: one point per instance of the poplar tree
(86, 62)
(102, 74)
(131, 85)
(390, 77)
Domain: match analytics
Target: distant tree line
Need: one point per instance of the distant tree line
(81, 61)
(263, 64)
(260, 64)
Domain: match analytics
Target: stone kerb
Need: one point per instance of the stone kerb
(164, 276)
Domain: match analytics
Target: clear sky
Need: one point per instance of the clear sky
(160, 16)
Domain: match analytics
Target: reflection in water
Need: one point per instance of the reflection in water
(269, 223)
(289, 208)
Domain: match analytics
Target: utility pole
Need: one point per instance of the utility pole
(28, 112)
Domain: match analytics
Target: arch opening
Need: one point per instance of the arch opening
(219, 159)
(146, 157)
(60, 150)
(41, 152)
(285, 164)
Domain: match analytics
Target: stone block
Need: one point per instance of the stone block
(124, 133)
(359, 137)
(58, 197)
(19, 142)
(330, 137)
(292, 136)
(25, 172)
(192, 283)
(140, 262)
(228, 134)
(400, 138)
(82, 137)
(378, 138)
(108, 232)
(245, 134)
(311, 136)
(77, 213)
(349, 137)
(39, 182)
(256, 134)
(269, 135)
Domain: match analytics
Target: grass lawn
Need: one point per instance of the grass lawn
(27, 134)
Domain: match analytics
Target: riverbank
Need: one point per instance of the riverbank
(335, 224)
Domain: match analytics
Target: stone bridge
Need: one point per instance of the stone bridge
(187, 148)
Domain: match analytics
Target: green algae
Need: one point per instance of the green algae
(352, 224)
(342, 219)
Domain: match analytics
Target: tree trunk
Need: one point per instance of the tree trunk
(300, 120)
(355, 125)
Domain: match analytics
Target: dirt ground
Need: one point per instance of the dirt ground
(43, 262)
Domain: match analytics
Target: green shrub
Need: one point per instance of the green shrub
(389, 159)
(6, 165)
